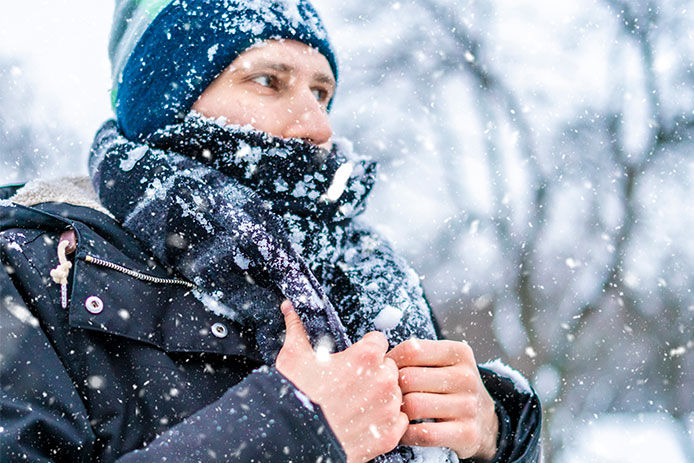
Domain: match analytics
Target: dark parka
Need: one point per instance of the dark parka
(147, 373)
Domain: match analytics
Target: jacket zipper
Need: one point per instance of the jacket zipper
(136, 274)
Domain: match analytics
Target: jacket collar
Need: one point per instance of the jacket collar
(71, 190)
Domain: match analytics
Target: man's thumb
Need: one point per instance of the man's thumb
(296, 334)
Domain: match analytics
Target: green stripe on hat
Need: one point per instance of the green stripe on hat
(130, 20)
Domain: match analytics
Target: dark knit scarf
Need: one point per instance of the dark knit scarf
(253, 219)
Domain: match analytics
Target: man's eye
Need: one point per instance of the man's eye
(265, 80)
(320, 94)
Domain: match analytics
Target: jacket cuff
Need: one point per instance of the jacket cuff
(504, 439)
(518, 410)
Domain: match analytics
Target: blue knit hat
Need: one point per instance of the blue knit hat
(164, 53)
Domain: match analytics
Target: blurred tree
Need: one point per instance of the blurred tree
(564, 200)
(33, 141)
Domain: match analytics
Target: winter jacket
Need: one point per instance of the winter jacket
(135, 369)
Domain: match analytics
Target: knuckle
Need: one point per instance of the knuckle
(398, 352)
(391, 379)
(405, 376)
(293, 321)
(370, 354)
(392, 436)
(461, 406)
(380, 385)
(468, 433)
(471, 404)
(410, 405)
(396, 429)
(465, 405)
(409, 347)
(393, 373)
(464, 351)
(395, 402)
(292, 324)
(386, 384)
(458, 380)
(419, 436)
(376, 337)
(390, 364)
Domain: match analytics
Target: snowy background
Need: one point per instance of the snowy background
(536, 168)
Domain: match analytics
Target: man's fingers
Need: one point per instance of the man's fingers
(422, 405)
(431, 353)
(296, 336)
(441, 434)
(440, 380)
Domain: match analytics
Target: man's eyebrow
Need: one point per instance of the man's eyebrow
(324, 79)
(286, 68)
(275, 66)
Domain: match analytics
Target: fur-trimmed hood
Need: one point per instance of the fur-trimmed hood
(77, 191)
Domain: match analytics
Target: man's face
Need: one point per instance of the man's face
(279, 87)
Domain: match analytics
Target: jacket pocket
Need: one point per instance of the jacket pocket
(121, 298)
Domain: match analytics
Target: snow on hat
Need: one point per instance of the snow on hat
(164, 53)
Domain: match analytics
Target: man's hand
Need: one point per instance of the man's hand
(440, 380)
(357, 389)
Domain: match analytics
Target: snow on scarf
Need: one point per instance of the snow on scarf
(253, 219)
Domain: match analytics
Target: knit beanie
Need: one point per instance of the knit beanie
(164, 53)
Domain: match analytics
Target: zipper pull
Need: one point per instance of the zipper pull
(59, 274)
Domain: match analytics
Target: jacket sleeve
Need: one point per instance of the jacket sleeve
(43, 418)
(263, 418)
(518, 410)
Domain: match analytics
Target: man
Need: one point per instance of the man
(147, 346)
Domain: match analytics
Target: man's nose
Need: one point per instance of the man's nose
(308, 120)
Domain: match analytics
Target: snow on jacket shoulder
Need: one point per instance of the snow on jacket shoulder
(134, 368)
